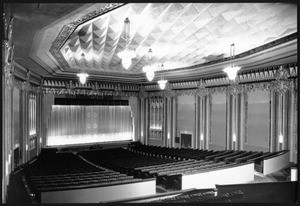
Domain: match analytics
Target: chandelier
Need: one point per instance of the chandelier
(232, 70)
(162, 82)
(82, 77)
(149, 69)
(126, 55)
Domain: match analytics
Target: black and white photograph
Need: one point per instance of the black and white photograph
(151, 102)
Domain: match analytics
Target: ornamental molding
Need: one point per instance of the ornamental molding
(169, 93)
(201, 91)
(279, 86)
(65, 91)
(70, 84)
(68, 29)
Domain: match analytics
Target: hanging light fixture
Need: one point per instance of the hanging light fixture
(82, 77)
(162, 83)
(126, 55)
(149, 69)
(232, 70)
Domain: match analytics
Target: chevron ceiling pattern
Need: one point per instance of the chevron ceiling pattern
(179, 34)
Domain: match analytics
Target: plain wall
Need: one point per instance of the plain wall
(233, 175)
(276, 163)
(100, 194)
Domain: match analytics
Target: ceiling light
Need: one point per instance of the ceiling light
(82, 77)
(126, 55)
(149, 69)
(232, 70)
(162, 83)
(150, 74)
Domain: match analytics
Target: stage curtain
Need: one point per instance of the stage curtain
(70, 124)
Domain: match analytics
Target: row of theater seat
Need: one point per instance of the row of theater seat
(182, 154)
(165, 170)
(125, 163)
(59, 163)
(227, 156)
(68, 171)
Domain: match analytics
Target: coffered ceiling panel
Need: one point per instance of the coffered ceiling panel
(180, 35)
(187, 38)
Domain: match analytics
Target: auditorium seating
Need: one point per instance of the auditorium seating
(233, 158)
(98, 167)
(62, 171)
(123, 160)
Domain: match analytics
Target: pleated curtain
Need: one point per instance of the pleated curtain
(70, 124)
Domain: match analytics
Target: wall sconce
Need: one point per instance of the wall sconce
(9, 158)
(234, 137)
(280, 139)
(201, 137)
(294, 174)
(6, 168)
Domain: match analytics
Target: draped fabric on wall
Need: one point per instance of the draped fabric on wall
(70, 124)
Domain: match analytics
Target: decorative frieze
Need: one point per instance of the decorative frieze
(90, 85)
(65, 91)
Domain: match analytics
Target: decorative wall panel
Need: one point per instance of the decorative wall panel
(156, 118)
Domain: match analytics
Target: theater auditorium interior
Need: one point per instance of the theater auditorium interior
(149, 103)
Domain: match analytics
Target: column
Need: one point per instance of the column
(169, 121)
(25, 120)
(207, 120)
(228, 123)
(142, 121)
(241, 121)
(165, 123)
(235, 135)
(174, 119)
(11, 152)
(202, 120)
(146, 120)
(284, 121)
(279, 135)
(272, 138)
(7, 138)
(197, 134)
(291, 122)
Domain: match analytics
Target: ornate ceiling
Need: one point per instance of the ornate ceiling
(188, 38)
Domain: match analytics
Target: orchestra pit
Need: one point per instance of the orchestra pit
(189, 103)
